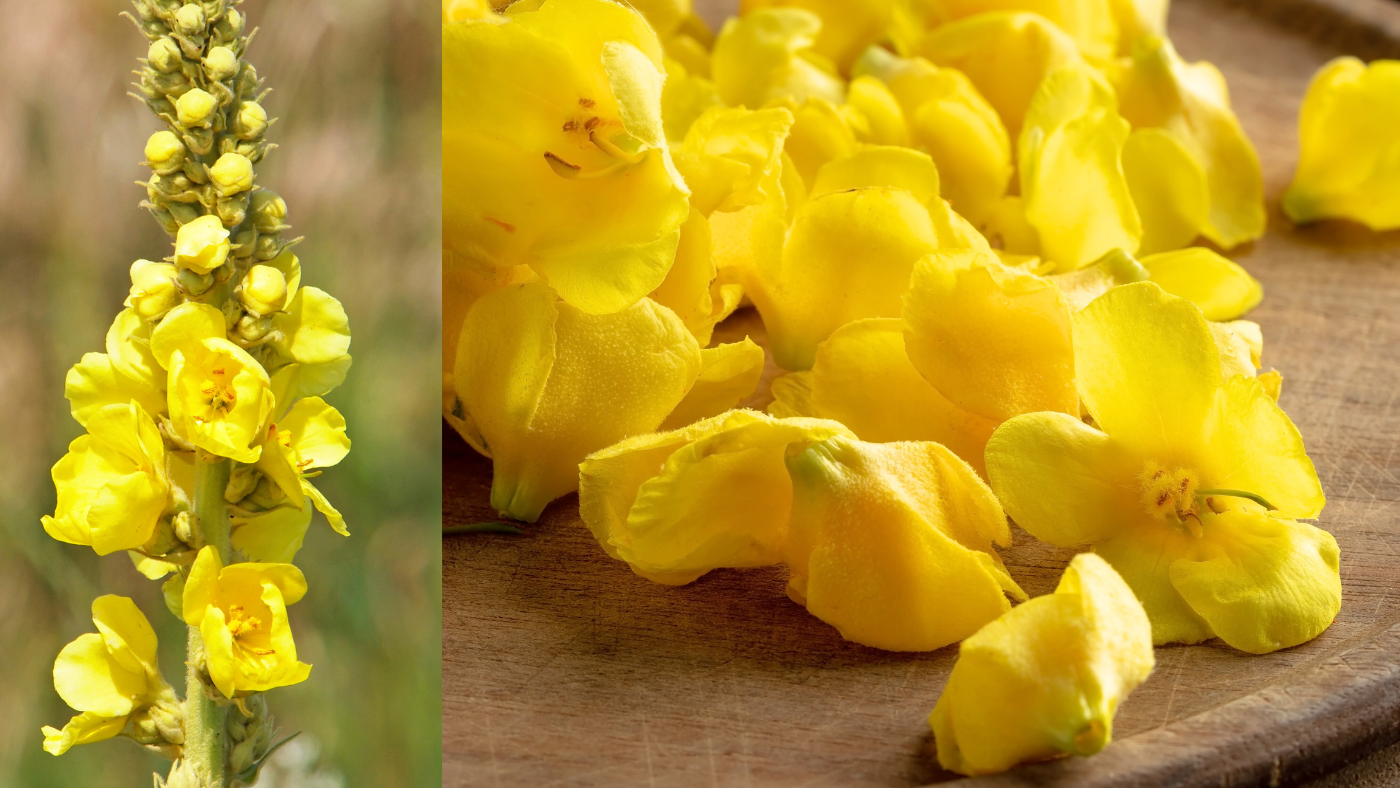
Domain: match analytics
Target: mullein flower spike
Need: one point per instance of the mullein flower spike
(203, 416)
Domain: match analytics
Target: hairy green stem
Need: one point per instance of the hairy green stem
(206, 751)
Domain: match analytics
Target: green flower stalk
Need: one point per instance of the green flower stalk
(205, 426)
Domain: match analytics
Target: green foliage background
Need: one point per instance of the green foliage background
(356, 88)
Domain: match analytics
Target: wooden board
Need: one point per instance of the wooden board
(562, 668)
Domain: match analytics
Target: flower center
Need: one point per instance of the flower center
(1171, 492)
(240, 623)
(218, 391)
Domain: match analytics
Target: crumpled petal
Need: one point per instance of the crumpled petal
(767, 54)
(891, 543)
(1061, 480)
(84, 728)
(691, 289)
(95, 383)
(546, 384)
(1169, 189)
(846, 28)
(994, 340)
(1262, 582)
(714, 494)
(728, 374)
(554, 154)
(1219, 287)
(882, 112)
(821, 133)
(1072, 184)
(1147, 368)
(1047, 677)
(1156, 88)
(1143, 555)
(1006, 54)
(1349, 155)
(730, 153)
(863, 379)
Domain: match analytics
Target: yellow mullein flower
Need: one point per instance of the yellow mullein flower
(554, 155)
(1072, 183)
(892, 543)
(1045, 679)
(767, 54)
(313, 329)
(951, 121)
(219, 398)
(541, 384)
(847, 29)
(127, 371)
(851, 249)
(994, 340)
(112, 677)
(1005, 54)
(241, 611)
(714, 494)
(1189, 101)
(1348, 166)
(202, 245)
(1090, 23)
(112, 484)
(821, 132)
(1188, 486)
(863, 378)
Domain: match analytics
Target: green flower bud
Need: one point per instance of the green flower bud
(235, 20)
(172, 84)
(247, 79)
(220, 64)
(184, 213)
(244, 242)
(164, 55)
(232, 210)
(194, 283)
(165, 153)
(267, 247)
(251, 329)
(269, 211)
(189, 20)
(251, 121)
(231, 174)
(164, 219)
(202, 245)
(264, 290)
(153, 289)
(196, 108)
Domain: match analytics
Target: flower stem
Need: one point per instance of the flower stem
(206, 752)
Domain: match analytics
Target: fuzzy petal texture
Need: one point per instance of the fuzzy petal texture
(767, 55)
(95, 382)
(863, 379)
(84, 728)
(994, 340)
(547, 384)
(728, 374)
(891, 543)
(1046, 678)
(1349, 154)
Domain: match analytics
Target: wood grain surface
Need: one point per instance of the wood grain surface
(562, 668)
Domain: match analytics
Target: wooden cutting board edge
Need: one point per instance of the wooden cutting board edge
(1323, 718)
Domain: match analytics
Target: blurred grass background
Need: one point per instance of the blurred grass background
(356, 85)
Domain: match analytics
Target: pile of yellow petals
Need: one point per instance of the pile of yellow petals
(987, 242)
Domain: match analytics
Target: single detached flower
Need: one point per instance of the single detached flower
(1188, 483)
(241, 611)
(112, 677)
(112, 484)
(1349, 153)
(1045, 679)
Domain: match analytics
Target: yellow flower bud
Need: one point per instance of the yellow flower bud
(165, 153)
(264, 290)
(196, 108)
(189, 20)
(269, 211)
(220, 64)
(231, 174)
(164, 55)
(202, 245)
(153, 290)
(251, 121)
(235, 21)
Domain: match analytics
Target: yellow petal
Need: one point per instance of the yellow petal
(313, 329)
(1254, 446)
(323, 505)
(1091, 23)
(1147, 368)
(728, 156)
(1262, 582)
(1168, 187)
(881, 110)
(888, 543)
(728, 374)
(1063, 481)
(95, 383)
(766, 54)
(1143, 555)
(820, 133)
(994, 340)
(185, 326)
(274, 536)
(1007, 229)
(85, 728)
(1347, 161)
(202, 586)
(1072, 183)
(880, 165)
(1083, 285)
(547, 384)
(126, 633)
(317, 432)
(219, 652)
(1046, 678)
(863, 379)
(1005, 54)
(129, 347)
(846, 28)
(89, 679)
(1219, 287)
(685, 96)
(1234, 352)
(690, 289)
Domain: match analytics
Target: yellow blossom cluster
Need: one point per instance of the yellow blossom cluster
(986, 241)
(204, 425)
